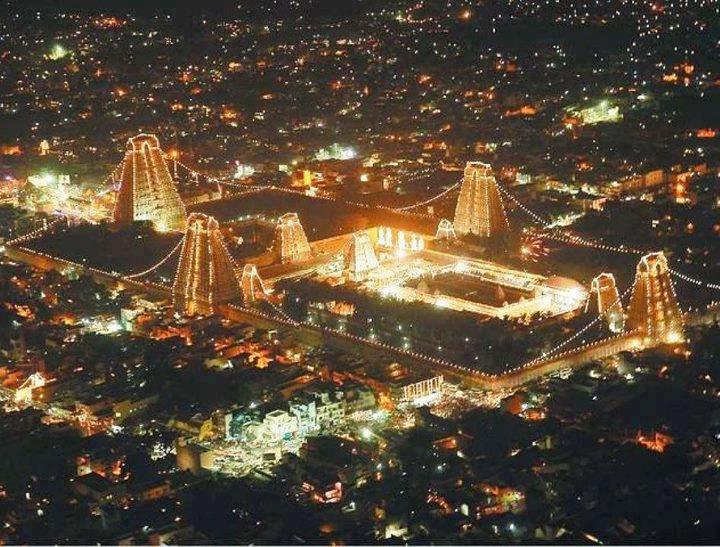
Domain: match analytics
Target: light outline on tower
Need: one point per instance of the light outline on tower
(359, 255)
(479, 209)
(603, 289)
(147, 190)
(653, 309)
(291, 243)
(206, 272)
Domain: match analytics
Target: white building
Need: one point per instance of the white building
(305, 411)
(279, 424)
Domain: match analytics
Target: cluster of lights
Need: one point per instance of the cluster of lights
(34, 234)
(577, 240)
(490, 380)
(565, 342)
(550, 355)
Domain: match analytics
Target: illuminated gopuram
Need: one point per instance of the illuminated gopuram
(479, 208)
(653, 309)
(604, 297)
(291, 243)
(445, 230)
(360, 256)
(147, 190)
(251, 284)
(206, 271)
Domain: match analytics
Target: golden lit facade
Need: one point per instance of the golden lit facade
(654, 309)
(147, 190)
(206, 271)
(360, 256)
(604, 297)
(291, 243)
(479, 208)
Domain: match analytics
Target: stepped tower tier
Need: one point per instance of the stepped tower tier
(206, 271)
(360, 256)
(479, 208)
(291, 243)
(147, 190)
(654, 309)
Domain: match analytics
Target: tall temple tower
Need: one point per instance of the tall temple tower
(206, 271)
(605, 298)
(291, 243)
(251, 284)
(479, 208)
(147, 190)
(654, 309)
(360, 256)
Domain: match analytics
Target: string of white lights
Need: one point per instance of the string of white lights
(34, 234)
(111, 176)
(537, 218)
(577, 240)
(428, 201)
(693, 280)
(213, 179)
(552, 351)
(282, 313)
(193, 172)
(158, 264)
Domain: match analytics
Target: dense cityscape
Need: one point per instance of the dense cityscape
(360, 272)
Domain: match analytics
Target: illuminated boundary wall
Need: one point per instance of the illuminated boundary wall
(313, 334)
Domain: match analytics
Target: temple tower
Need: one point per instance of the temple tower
(604, 297)
(360, 256)
(251, 284)
(291, 243)
(147, 190)
(479, 208)
(653, 309)
(445, 230)
(206, 271)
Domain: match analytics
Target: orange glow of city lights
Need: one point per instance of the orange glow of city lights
(228, 114)
(10, 150)
(706, 134)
